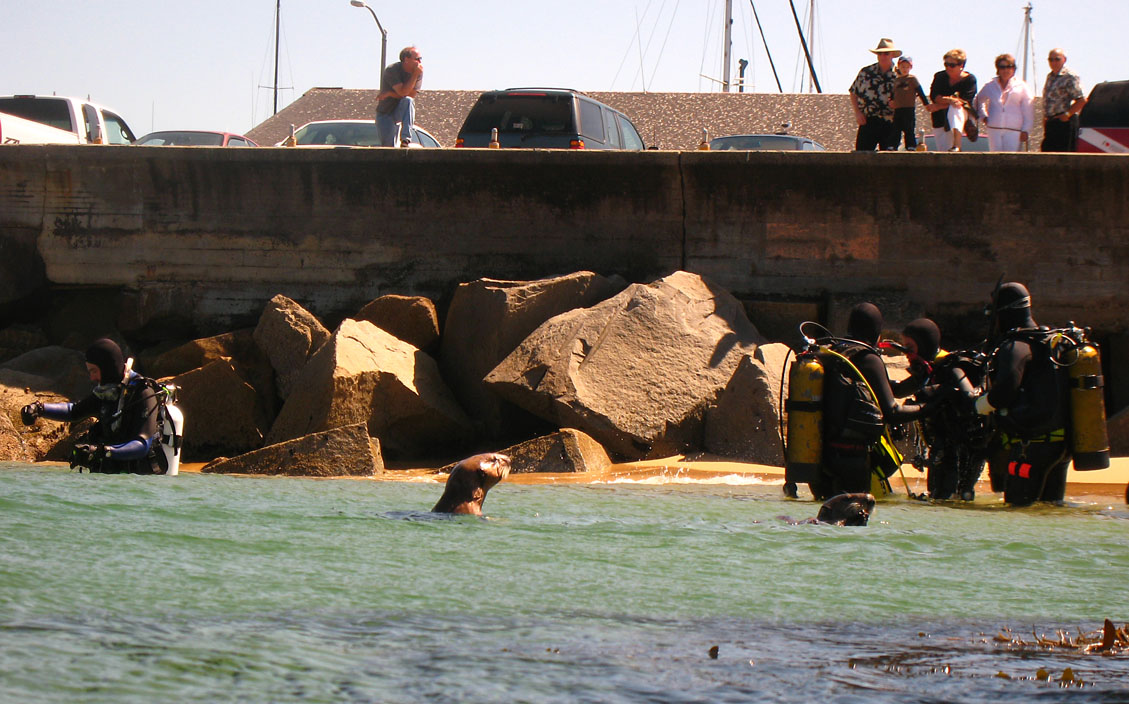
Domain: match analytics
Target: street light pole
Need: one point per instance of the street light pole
(383, 34)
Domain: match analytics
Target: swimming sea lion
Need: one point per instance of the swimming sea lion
(847, 510)
(469, 481)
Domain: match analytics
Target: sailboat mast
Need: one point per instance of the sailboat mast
(804, 44)
(728, 45)
(277, 13)
(1026, 38)
(811, 37)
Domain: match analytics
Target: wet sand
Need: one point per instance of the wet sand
(1101, 484)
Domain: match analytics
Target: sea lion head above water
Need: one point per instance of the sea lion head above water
(847, 510)
(469, 481)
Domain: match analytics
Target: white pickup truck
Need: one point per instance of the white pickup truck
(59, 120)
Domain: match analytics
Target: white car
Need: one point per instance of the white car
(87, 122)
(349, 133)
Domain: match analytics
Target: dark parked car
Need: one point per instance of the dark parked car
(1104, 121)
(765, 142)
(546, 118)
(194, 138)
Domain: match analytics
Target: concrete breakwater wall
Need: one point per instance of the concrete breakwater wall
(211, 234)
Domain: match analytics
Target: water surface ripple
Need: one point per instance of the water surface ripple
(212, 588)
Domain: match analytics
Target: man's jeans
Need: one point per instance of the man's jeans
(389, 126)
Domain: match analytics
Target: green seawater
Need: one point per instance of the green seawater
(225, 589)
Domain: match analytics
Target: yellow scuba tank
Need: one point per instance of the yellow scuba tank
(805, 419)
(1089, 438)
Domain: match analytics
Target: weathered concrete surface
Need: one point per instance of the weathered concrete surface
(637, 371)
(337, 228)
(337, 452)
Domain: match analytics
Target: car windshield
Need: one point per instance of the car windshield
(182, 139)
(513, 113)
(48, 111)
(355, 134)
(756, 142)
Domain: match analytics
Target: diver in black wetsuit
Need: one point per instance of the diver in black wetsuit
(954, 436)
(124, 440)
(850, 438)
(1028, 396)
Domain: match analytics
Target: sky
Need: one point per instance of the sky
(209, 64)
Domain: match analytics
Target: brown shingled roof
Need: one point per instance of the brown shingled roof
(666, 120)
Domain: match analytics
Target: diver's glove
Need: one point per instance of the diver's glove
(88, 455)
(30, 412)
(983, 407)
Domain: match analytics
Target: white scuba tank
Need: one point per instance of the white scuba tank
(170, 421)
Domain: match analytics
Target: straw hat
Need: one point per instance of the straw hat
(886, 46)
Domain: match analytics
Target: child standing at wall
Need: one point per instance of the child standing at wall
(906, 91)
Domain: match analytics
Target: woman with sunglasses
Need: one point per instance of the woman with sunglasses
(1007, 106)
(951, 95)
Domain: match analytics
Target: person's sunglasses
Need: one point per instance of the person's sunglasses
(1055, 58)
(949, 65)
(1005, 66)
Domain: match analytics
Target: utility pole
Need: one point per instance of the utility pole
(728, 44)
(277, 14)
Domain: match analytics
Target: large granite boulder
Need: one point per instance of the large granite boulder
(12, 447)
(38, 441)
(637, 371)
(52, 369)
(338, 452)
(289, 335)
(488, 318)
(1118, 427)
(237, 347)
(366, 375)
(413, 319)
(567, 450)
(222, 413)
(18, 339)
(744, 421)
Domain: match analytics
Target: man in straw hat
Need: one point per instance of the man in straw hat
(872, 94)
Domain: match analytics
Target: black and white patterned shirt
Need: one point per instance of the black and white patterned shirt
(875, 89)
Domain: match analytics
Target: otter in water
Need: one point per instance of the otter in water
(469, 481)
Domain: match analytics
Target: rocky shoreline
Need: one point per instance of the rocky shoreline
(568, 374)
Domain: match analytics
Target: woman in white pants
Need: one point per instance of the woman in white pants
(1006, 105)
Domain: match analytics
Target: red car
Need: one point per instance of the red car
(194, 138)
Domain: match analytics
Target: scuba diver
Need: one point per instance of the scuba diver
(858, 404)
(1045, 395)
(951, 443)
(134, 418)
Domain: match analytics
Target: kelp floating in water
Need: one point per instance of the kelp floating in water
(1110, 640)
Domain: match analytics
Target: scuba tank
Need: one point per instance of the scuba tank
(1089, 437)
(170, 427)
(805, 419)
